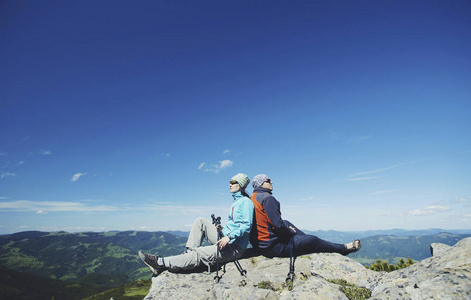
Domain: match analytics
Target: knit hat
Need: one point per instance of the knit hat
(242, 179)
(258, 180)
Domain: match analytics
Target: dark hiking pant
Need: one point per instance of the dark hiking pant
(302, 244)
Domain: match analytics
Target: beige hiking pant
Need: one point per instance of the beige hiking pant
(196, 255)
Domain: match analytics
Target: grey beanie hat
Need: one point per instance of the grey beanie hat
(258, 180)
(242, 179)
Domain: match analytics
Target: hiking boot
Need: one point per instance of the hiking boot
(151, 261)
(356, 246)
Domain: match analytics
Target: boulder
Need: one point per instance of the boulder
(445, 275)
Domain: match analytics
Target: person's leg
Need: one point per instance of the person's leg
(306, 244)
(322, 245)
(185, 261)
(202, 229)
(278, 249)
(202, 255)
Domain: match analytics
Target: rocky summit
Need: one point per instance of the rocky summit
(445, 275)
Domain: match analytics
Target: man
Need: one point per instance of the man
(272, 235)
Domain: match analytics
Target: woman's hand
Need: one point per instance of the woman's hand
(222, 242)
(293, 228)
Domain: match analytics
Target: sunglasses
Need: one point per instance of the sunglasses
(233, 182)
(268, 180)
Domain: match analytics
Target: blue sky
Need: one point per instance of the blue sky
(120, 115)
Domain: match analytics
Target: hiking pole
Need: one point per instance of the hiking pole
(290, 277)
(237, 263)
(216, 222)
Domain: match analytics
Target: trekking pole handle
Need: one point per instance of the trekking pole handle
(216, 221)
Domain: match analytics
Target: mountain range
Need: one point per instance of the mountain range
(347, 236)
(69, 256)
(102, 260)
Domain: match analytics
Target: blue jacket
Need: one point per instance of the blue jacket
(269, 227)
(240, 219)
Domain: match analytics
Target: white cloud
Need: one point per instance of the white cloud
(383, 192)
(6, 174)
(452, 202)
(360, 139)
(362, 178)
(43, 207)
(71, 228)
(216, 168)
(225, 164)
(171, 208)
(382, 169)
(42, 212)
(45, 152)
(307, 199)
(225, 151)
(430, 210)
(77, 176)
(465, 219)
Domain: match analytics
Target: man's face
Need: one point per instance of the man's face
(268, 184)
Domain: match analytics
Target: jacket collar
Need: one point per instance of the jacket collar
(237, 195)
(261, 190)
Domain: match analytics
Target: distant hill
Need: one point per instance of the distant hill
(184, 234)
(69, 256)
(391, 248)
(348, 236)
(16, 285)
(135, 290)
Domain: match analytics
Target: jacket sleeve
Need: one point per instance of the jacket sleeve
(242, 218)
(272, 208)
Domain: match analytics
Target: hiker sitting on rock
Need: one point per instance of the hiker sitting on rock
(236, 235)
(272, 235)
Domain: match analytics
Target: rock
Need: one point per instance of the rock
(437, 248)
(446, 275)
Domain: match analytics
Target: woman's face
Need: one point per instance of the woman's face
(234, 187)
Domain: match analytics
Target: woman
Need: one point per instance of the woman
(236, 233)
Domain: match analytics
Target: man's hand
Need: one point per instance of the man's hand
(293, 228)
(218, 226)
(222, 242)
